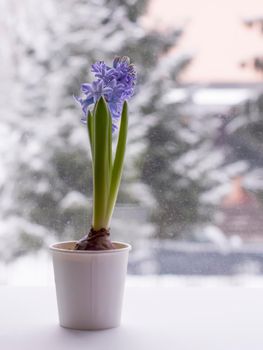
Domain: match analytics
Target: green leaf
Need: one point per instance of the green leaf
(118, 164)
(90, 126)
(101, 171)
(110, 146)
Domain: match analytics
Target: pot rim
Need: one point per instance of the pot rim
(53, 248)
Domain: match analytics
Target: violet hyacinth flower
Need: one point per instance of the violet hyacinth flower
(115, 84)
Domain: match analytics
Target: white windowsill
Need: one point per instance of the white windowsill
(154, 317)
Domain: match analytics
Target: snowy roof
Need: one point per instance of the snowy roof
(211, 98)
(222, 96)
(175, 96)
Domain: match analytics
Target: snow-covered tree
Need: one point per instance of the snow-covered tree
(257, 61)
(49, 46)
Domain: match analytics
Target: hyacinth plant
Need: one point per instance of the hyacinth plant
(105, 109)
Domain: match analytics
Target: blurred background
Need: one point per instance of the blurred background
(191, 199)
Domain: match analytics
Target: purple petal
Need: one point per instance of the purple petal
(115, 83)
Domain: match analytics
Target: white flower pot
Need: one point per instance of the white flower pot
(89, 285)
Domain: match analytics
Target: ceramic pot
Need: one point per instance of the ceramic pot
(89, 285)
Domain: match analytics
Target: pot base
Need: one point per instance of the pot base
(81, 328)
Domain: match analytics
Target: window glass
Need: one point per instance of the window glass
(191, 199)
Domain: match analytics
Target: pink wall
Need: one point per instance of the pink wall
(215, 33)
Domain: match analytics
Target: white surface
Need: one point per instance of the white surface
(155, 317)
